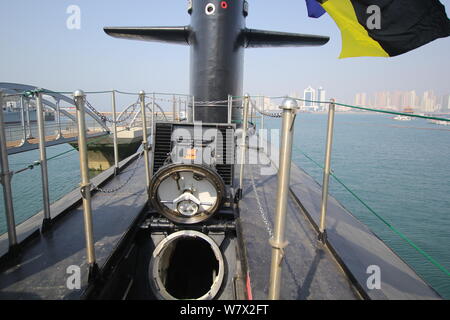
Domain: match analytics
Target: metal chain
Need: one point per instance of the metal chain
(103, 190)
(106, 119)
(130, 113)
(160, 109)
(260, 207)
(267, 114)
(216, 102)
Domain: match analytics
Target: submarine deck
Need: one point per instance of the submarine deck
(311, 270)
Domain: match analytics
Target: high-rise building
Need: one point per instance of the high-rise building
(410, 100)
(445, 106)
(395, 100)
(321, 96)
(267, 103)
(310, 95)
(429, 101)
(381, 99)
(361, 99)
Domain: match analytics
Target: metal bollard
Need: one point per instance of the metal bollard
(278, 243)
(326, 173)
(116, 146)
(43, 162)
(85, 186)
(243, 145)
(148, 173)
(5, 179)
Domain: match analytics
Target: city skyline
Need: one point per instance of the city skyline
(408, 101)
(414, 100)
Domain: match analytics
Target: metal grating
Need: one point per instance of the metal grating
(225, 168)
(225, 153)
(163, 145)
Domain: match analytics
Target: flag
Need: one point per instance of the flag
(387, 28)
(315, 10)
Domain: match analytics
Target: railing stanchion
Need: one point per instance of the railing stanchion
(251, 111)
(179, 109)
(22, 120)
(5, 179)
(58, 118)
(85, 186)
(193, 109)
(262, 114)
(43, 161)
(326, 173)
(115, 142)
(153, 130)
(27, 103)
(278, 243)
(230, 107)
(243, 145)
(148, 174)
(174, 107)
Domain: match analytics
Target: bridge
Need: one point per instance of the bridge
(112, 135)
(23, 137)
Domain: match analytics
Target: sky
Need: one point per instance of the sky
(38, 49)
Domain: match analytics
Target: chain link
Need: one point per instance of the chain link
(260, 207)
(130, 113)
(214, 103)
(106, 119)
(160, 109)
(103, 190)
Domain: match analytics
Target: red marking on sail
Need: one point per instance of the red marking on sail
(249, 288)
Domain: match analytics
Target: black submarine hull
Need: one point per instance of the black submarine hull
(217, 36)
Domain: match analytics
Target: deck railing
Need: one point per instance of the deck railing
(26, 136)
(183, 109)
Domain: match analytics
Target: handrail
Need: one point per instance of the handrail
(355, 107)
(331, 173)
(379, 110)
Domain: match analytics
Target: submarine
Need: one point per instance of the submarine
(192, 233)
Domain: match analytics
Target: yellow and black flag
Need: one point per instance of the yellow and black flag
(387, 28)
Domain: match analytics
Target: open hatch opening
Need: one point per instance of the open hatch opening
(187, 267)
